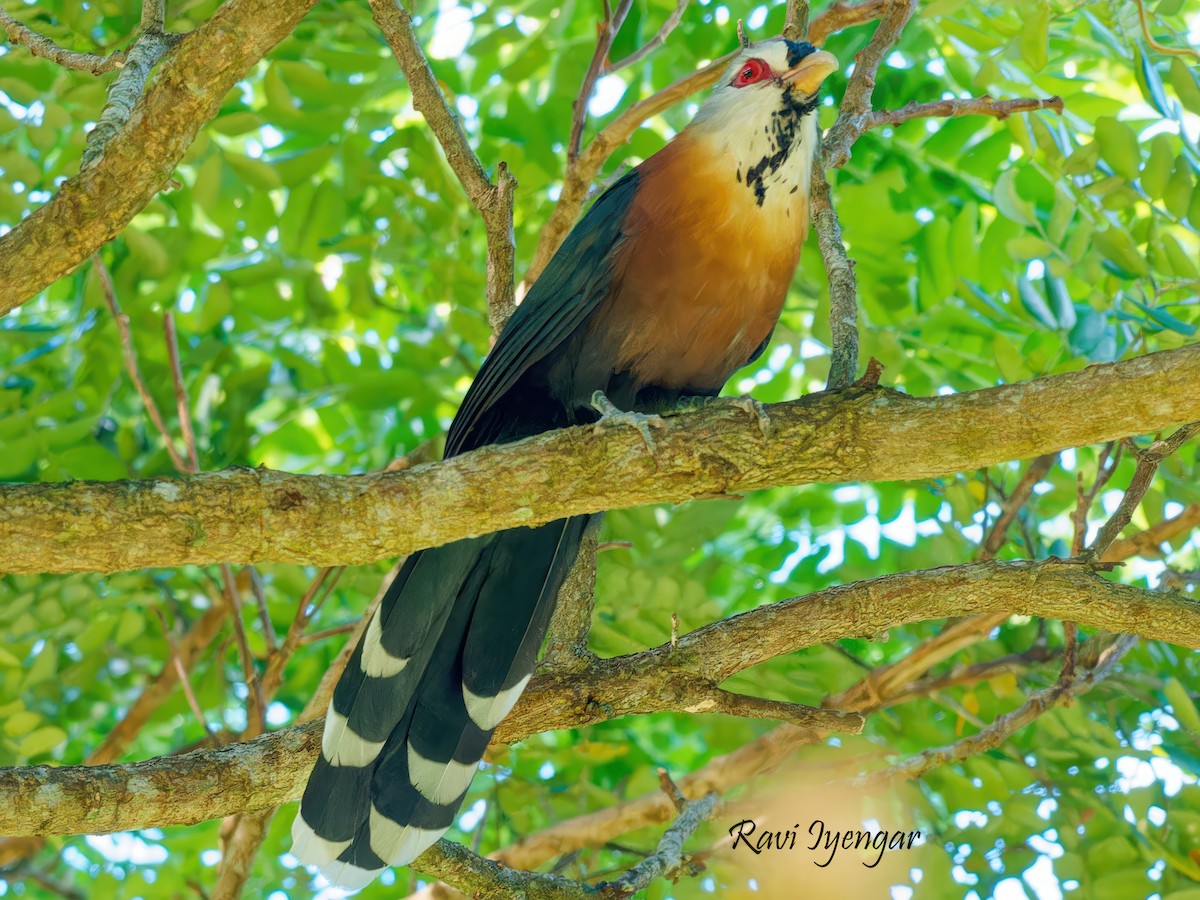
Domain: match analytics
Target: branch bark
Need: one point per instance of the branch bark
(91, 208)
(866, 434)
(272, 769)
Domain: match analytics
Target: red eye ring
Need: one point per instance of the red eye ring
(752, 72)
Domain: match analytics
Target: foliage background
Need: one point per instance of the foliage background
(327, 278)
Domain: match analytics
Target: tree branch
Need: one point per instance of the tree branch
(1146, 543)
(494, 202)
(1016, 501)
(47, 49)
(91, 208)
(660, 37)
(952, 109)
(1147, 465)
(606, 32)
(869, 434)
(1005, 726)
(208, 784)
(668, 858)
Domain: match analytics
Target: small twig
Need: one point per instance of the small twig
(1147, 465)
(154, 13)
(951, 109)
(260, 598)
(1014, 503)
(315, 636)
(843, 286)
(181, 672)
(1085, 498)
(669, 857)
(671, 789)
(183, 407)
(1161, 48)
(659, 38)
(606, 32)
(743, 706)
(129, 354)
(494, 202)
(856, 102)
(47, 49)
(1149, 540)
(614, 545)
(256, 704)
(1003, 727)
(1070, 653)
(795, 20)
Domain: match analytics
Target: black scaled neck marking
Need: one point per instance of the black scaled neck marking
(783, 135)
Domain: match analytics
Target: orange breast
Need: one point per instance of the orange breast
(704, 272)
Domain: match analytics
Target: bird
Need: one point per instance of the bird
(672, 281)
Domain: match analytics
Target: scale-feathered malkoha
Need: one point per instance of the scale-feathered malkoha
(672, 281)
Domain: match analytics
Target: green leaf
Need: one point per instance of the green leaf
(1010, 204)
(1177, 195)
(1118, 146)
(254, 172)
(1186, 85)
(1153, 83)
(1157, 171)
(1182, 705)
(1035, 303)
(1060, 302)
(1035, 38)
(41, 741)
(1165, 319)
(21, 722)
(1118, 246)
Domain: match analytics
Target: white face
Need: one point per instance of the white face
(762, 115)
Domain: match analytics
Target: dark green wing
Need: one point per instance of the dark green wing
(573, 284)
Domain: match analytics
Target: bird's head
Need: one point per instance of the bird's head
(762, 112)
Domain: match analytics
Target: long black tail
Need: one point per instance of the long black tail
(444, 659)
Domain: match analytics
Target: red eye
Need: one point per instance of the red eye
(754, 71)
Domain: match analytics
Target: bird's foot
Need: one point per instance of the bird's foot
(752, 407)
(642, 422)
(746, 403)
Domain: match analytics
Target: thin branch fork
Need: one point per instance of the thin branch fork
(1147, 465)
(1007, 725)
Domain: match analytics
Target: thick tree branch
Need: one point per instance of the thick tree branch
(209, 784)
(125, 92)
(254, 515)
(94, 206)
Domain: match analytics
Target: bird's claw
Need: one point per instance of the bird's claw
(752, 407)
(642, 422)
